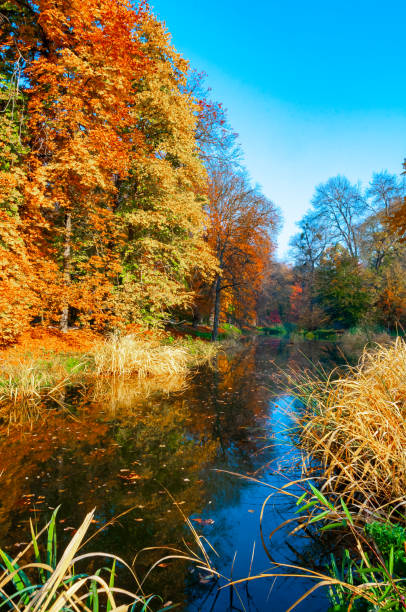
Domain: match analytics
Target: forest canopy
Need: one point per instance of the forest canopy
(120, 179)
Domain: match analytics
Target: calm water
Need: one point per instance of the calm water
(116, 450)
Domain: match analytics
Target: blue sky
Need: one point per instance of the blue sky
(314, 89)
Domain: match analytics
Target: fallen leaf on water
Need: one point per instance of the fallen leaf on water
(130, 477)
(203, 521)
(205, 579)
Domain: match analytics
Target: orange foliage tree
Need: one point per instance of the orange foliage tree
(242, 224)
(82, 134)
(101, 184)
(160, 206)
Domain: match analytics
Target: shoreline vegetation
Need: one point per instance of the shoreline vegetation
(354, 424)
(353, 428)
(45, 362)
(125, 205)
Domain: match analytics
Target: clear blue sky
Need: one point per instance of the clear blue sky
(313, 88)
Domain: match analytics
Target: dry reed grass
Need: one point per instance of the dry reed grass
(30, 380)
(128, 355)
(135, 355)
(356, 426)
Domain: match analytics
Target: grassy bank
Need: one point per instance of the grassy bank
(354, 426)
(44, 366)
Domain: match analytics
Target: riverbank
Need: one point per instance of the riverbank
(353, 426)
(354, 423)
(45, 361)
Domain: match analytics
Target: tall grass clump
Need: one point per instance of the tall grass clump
(30, 379)
(36, 580)
(355, 425)
(128, 355)
(134, 355)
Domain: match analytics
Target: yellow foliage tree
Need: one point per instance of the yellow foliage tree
(161, 206)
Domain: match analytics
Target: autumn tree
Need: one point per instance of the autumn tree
(17, 298)
(83, 132)
(161, 205)
(77, 63)
(102, 181)
(242, 224)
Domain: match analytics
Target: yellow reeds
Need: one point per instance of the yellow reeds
(128, 355)
(356, 425)
(29, 380)
(135, 355)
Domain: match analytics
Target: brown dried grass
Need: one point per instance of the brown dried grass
(356, 425)
(136, 355)
(129, 355)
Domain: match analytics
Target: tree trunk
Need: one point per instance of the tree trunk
(66, 269)
(217, 303)
(196, 317)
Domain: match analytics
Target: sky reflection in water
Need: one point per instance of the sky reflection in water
(123, 452)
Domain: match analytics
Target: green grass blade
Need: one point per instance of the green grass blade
(51, 540)
(111, 583)
(20, 579)
(321, 497)
(346, 512)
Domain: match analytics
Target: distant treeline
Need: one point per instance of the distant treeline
(349, 259)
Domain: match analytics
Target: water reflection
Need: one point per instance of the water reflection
(121, 447)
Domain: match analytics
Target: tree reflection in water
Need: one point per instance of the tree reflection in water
(122, 445)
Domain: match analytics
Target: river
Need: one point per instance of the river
(118, 448)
